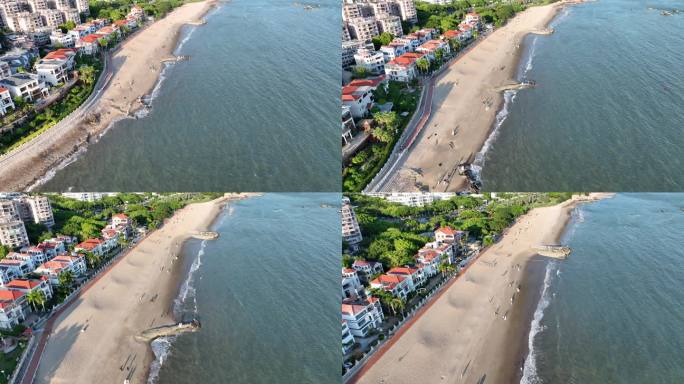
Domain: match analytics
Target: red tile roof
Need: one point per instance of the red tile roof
(10, 295)
(92, 38)
(407, 59)
(388, 281)
(23, 284)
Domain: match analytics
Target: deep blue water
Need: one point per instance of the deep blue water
(266, 294)
(616, 306)
(256, 108)
(608, 110)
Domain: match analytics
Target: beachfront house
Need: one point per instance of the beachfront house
(13, 308)
(52, 268)
(366, 269)
(89, 44)
(431, 47)
(95, 246)
(398, 285)
(358, 96)
(395, 49)
(347, 338)
(415, 276)
(371, 60)
(59, 39)
(25, 85)
(449, 235)
(36, 253)
(403, 68)
(29, 285)
(16, 267)
(6, 102)
(351, 284)
(362, 315)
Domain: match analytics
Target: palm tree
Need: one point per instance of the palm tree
(397, 304)
(92, 259)
(423, 64)
(35, 298)
(439, 54)
(66, 279)
(87, 74)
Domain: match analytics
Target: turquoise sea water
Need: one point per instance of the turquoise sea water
(256, 108)
(608, 110)
(613, 312)
(266, 295)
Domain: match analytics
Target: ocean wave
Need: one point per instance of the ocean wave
(530, 368)
(187, 290)
(478, 164)
(161, 347)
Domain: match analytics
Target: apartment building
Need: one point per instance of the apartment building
(351, 232)
(52, 18)
(41, 210)
(390, 24)
(8, 210)
(363, 28)
(13, 233)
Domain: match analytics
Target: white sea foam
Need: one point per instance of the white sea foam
(161, 347)
(509, 97)
(187, 289)
(530, 368)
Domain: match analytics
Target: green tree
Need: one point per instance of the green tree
(383, 39)
(36, 298)
(66, 279)
(92, 259)
(423, 65)
(4, 250)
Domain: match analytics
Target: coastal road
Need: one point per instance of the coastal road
(385, 179)
(42, 141)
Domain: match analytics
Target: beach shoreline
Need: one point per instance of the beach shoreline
(469, 96)
(130, 297)
(472, 320)
(136, 68)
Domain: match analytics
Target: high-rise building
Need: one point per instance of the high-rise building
(13, 233)
(351, 233)
(363, 28)
(41, 210)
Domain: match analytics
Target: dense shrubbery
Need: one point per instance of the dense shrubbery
(366, 163)
(392, 233)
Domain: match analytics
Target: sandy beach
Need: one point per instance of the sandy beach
(135, 68)
(95, 337)
(466, 99)
(475, 331)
